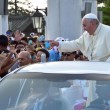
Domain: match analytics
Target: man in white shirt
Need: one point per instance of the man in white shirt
(94, 43)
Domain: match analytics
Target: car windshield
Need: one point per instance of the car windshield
(52, 93)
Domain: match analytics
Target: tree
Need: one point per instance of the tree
(19, 8)
(106, 11)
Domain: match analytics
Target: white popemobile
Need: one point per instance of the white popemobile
(62, 85)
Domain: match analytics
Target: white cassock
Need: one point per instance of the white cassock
(96, 47)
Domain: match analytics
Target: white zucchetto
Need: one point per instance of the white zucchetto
(91, 16)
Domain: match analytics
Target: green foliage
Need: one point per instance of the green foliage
(100, 1)
(106, 11)
(107, 3)
(15, 7)
(106, 19)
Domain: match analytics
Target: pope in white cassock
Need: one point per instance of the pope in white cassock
(94, 43)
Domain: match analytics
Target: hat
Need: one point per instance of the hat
(9, 32)
(59, 39)
(91, 16)
(38, 48)
(22, 34)
(32, 34)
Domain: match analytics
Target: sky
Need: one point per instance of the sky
(36, 3)
(39, 3)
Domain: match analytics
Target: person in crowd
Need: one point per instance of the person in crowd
(54, 54)
(6, 62)
(32, 51)
(80, 57)
(41, 37)
(24, 58)
(18, 36)
(93, 43)
(39, 53)
(3, 44)
(24, 40)
(103, 100)
(6, 56)
(30, 41)
(9, 34)
(42, 44)
(35, 42)
(20, 46)
(68, 56)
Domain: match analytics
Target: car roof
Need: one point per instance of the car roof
(71, 67)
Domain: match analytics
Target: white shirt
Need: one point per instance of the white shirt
(96, 47)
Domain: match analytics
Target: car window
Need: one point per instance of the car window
(53, 93)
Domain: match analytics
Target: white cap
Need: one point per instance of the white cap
(32, 34)
(59, 39)
(91, 16)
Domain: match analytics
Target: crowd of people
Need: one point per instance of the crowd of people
(17, 49)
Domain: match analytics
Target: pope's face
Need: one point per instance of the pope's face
(87, 26)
